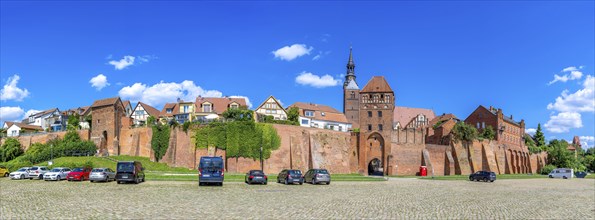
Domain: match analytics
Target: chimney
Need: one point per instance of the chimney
(491, 108)
(510, 117)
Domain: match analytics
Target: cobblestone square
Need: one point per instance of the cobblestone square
(394, 199)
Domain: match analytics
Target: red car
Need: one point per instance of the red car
(79, 173)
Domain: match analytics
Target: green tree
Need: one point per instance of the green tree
(160, 140)
(559, 155)
(293, 114)
(238, 114)
(539, 137)
(488, 133)
(464, 132)
(10, 149)
(72, 137)
(73, 122)
(530, 143)
(89, 119)
(151, 120)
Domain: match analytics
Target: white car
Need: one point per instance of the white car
(20, 174)
(37, 172)
(564, 173)
(58, 173)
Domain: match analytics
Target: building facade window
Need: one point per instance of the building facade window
(186, 109)
(233, 106)
(206, 107)
(369, 127)
(380, 114)
(369, 114)
(380, 127)
(169, 110)
(352, 95)
(309, 113)
(304, 121)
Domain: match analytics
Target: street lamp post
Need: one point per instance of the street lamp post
(261, 163)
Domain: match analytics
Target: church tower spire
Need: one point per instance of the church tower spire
(350, 68)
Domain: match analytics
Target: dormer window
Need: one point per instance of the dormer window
(169, 110)
(206, 108)
(309, 113)
(234, 106)
(31, 120)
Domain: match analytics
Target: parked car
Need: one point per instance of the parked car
(564, 173)
(79, 173)
(4, 171)
(37, 172)
(581, 174)
(130, 171)
(290, 176)
(256, 176)
(20, 174)
(57, 174)
(483, 176)
(211, 170)
(316, 176)
(102, 174)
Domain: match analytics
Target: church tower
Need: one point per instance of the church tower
(351, 94)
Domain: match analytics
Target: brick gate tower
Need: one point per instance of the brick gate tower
(351, 94)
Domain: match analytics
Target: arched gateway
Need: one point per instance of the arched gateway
(375, 154)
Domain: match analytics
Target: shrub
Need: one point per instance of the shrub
(464, 132)
(160, 140)
(547, 169)
(10, 149)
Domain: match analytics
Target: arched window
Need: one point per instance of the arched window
(352, 95)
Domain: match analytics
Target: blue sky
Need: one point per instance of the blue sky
(447, 56)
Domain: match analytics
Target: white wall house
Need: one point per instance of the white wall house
(39, 119)
(272, 107)
(321, 116)
(14, 129)
(142, 111)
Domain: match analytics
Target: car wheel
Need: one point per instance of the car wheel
(328, 183)
(265, 182)
(285, 181)
(564, 177)
(40, 177)
(491, 181)
(22, 176)
(6, 175)
(313, 181)
(301, 182)
(550, 176)
(485, 179)
(470, 178)
(118, 182)
(143, 179)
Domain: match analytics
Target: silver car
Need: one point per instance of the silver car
(58, 173)
(102, 174)
(20, 174)
(316, 176)
(37, 172)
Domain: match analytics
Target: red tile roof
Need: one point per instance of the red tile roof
(377, 84)
(149, 109)
(25, 126)
(219, 104)
(443, 117)
(330, 114)
(173, 106)
(404, 115)
(104, 102)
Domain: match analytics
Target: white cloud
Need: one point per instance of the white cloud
(582, 100)
(8, 113)
(530, 131)
(572, 73)
(10, 91)
(291, 52)
(309, 79)
(163, 92)
(563, 122)
(587, 141)
(30, 112)
(123, 63)
(318, 56)
(99, 82)
(248, 103)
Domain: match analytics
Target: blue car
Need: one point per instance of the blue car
(210, 171)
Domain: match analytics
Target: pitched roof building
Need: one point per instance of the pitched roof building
(210, 105)
(406, 117)
(321, 116)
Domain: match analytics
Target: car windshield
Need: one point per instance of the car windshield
(322, 171)
(295, 172)
(77, 170)
(125, 167)
(97, 170)
(22, 170)
(55, 170)
(257, 172)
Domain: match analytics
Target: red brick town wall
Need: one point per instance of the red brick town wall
(27, 141)
(136, 142)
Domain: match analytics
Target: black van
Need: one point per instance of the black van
(130, 171)
(210, 170)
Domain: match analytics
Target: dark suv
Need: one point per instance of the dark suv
(290, 176)
(130, 171)
(483, 175)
